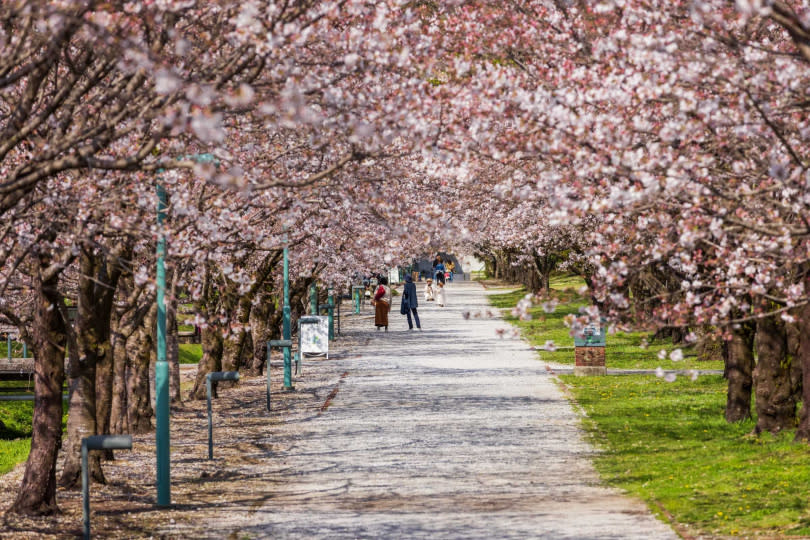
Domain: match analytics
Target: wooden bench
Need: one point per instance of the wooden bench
(16, 368)
(187, 336)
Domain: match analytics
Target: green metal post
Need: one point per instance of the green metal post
(8, 345)
(313, 299)
(331, 301)
(25, 350)
(162, 366)
(286, 329)
(358, 291)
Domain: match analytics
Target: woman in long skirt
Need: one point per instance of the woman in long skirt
(382, 304)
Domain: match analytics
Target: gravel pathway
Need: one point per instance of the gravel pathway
(448, 432)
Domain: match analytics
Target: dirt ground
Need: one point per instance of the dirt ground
(125, 506)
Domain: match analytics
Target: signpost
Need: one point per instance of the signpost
(313, 335)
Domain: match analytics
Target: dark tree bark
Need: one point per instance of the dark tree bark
(119, 422)
(172, 342)
(91, 376)
(37, 493)
(775, 399)
(139, 348)
(234, 345)
(803, 358)
(125, 322)
(262, 331)
(211, 361)
(738, 356)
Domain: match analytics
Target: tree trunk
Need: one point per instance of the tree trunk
(261, 334)
(234, 346)
(739, 365)
(172, 342)
(140, 347)
(775, 402)
(119, 421)
(37, 493)
(711, 347)
(91, 375)
(125, 322)
(803, 358)
(81, 423)
(211, 361)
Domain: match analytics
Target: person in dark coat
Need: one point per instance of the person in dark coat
(410, 302)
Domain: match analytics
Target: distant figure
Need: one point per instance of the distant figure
(430, 292)
(439, 271)
(382, 304)
(441, 295)
(410, 302)
(451, 267)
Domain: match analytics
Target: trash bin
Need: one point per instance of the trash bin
(589, 352)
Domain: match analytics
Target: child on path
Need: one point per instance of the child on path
(430, 292)
(441, 296)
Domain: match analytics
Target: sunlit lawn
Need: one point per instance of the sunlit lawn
(190, 353)
(15, 433)
(669, 444)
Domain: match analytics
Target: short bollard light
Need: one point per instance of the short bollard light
(97, 442)
(215, 376)
(281, 344)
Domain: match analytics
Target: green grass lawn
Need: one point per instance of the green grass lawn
(623, 349)
(190, 353)
(669, 444)
(15, 433)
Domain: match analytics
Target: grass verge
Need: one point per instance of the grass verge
(669, 444)
(624, 350)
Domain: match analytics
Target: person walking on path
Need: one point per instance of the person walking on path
(441, 295)
(451, 266)
(439, 271)
(410, 302)
(382, 304)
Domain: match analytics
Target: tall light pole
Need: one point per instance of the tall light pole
(162, 442)
(285, 317)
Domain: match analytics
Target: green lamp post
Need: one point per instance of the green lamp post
(285, 317)
(162, 441)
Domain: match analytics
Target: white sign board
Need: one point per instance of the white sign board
(315, 337)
